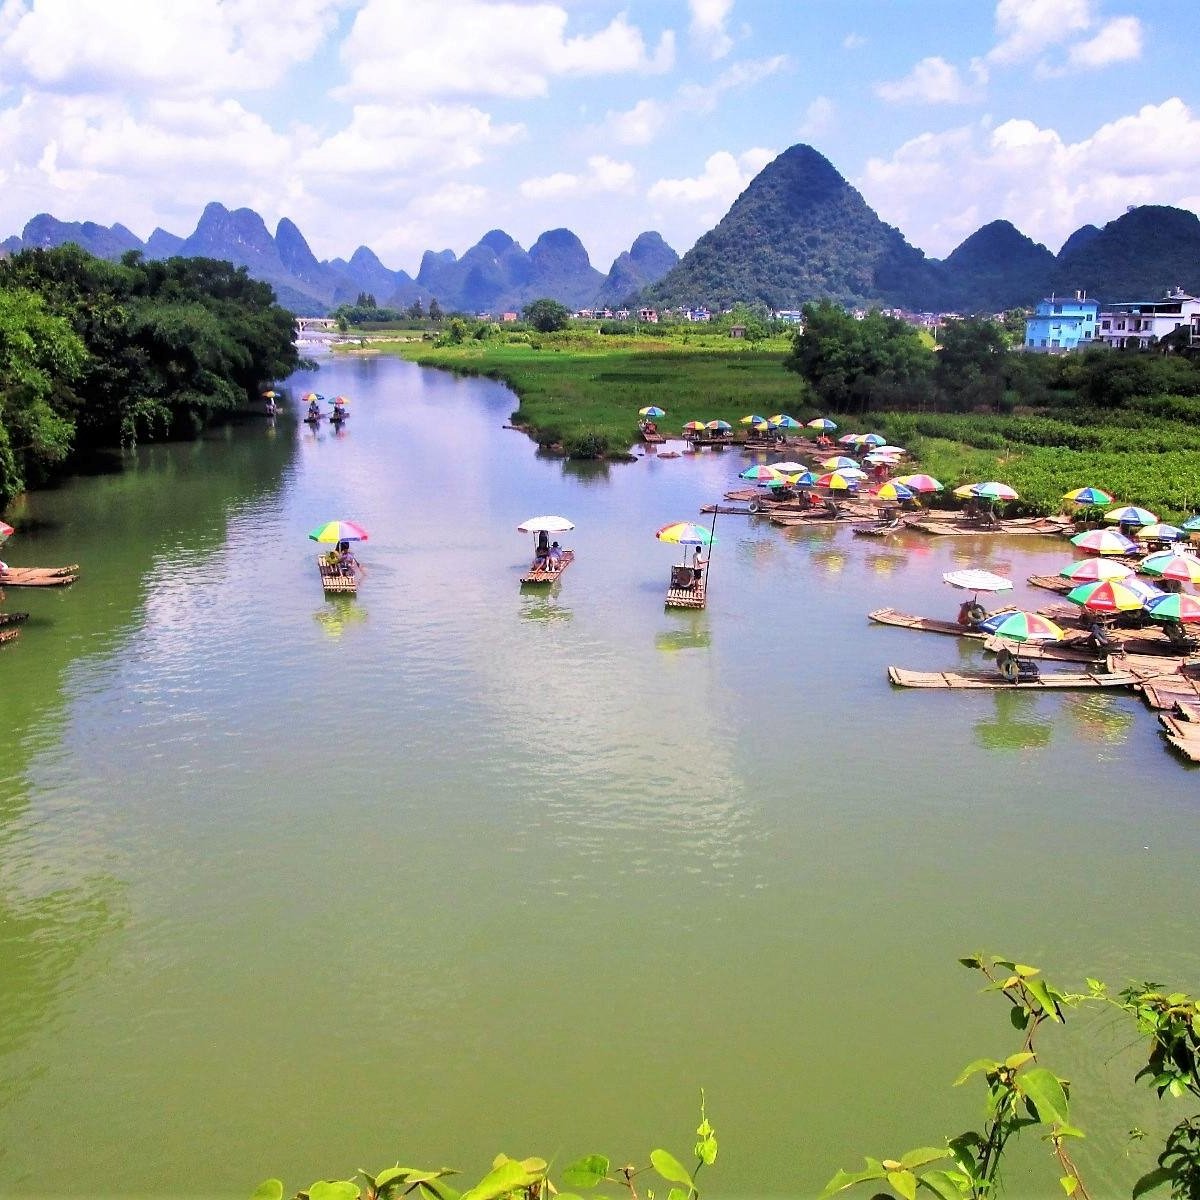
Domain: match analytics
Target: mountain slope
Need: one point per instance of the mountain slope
(644, 263)
(997, 267)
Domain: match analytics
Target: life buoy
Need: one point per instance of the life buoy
(756, 506)
(1011, 670)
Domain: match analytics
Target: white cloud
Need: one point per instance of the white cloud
(1024, 30)
(467, 47)
(724, 178)
(603, 175)
(936, 186)
(853, 41)
(818, 119)
(707, 26)
(1117, 41)
(931, 81)
(639, 125)
(188, 47)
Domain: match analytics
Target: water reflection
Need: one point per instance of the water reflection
(539, 603)
(694, 634)
(1099, 718)
(340, 613)
(833, 561)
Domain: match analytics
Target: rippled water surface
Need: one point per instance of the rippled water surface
(292, 885)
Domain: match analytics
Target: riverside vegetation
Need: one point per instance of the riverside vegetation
(1021, 1095)
(974, 409)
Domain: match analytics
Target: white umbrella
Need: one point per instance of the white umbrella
(789, 468)
(974, 580)
(545, 524)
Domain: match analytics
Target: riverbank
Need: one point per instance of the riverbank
(583, 390)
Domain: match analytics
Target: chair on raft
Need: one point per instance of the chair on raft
(1015, 670)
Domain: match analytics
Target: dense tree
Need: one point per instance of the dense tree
(970, 364)
(852, 363)
(435, 310)
(415, 311)
(547, 316)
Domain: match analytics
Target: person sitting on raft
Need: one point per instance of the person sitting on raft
(970, 613)
(554, 558)
(314, 409)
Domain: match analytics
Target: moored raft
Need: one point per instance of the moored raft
(13, 618)
(685, 590)
(548, 573)
(9, 634)
(1182, 729)
(891, 616)
(332, 577)
(40, 576)
(1052, 583)
(994, 681)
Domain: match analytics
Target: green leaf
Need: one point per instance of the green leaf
(1095, 985)
(389, 1176)
(677, 1194)
(944, 1184)
(1024, 971)
(437, 1189)
(333, 1189)
(905, 1182)
(1043, 1089)
(269, 1189)
(1069, 1184)
(507, 1177)
(669, 1167)
(1019, 1017)
(586, 1172)
(926, 1154)
(1037, 988)
(845, 1179)
(1013, 1061)
(1154, 1179)
(980, 1064)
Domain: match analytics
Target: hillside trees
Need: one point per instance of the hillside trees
(547, 316)
(854, 364)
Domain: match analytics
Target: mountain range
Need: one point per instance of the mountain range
(798, 232)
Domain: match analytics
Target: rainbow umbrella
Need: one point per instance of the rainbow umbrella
(1093, 570)
(1160, 531)
(806, 479)
(921, 483)
(1143, 587)
(339, 531)
(784, 481)
(1019, 626)
(753, 419)
(760, 473)
(874, 439)
(1104, 541)
(837, 481)
(783, 421)
(1166, 564)
(685, 533)
(269, 394)
(1088, 495)
(850, 439)
(822, 423)
(695, 426)
(1131, 515)
(1106, 596)
(994, 491)
(965, 491)
(308, 397)
(837, 462)
(1175, 606)
(721, 426)
(652, 410)
(341, 400)
(894, 491)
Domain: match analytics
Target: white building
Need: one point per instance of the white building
(1137, 324)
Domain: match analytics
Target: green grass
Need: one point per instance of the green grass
(578, 386)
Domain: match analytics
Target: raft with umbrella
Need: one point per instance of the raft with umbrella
(688, 586)
(1074, 680)
(339, 570)
(547, 566)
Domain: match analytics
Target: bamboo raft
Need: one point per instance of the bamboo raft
(11, 618)
(40, 576)
(9, 634)
(332, 579)
(993, 681)
(686, 595)
(1022, 526)
(890, 616)
(548, 574)
(1048, 651)
(1182, 729)
(882, 530)
(1052, 583)
(652, 439)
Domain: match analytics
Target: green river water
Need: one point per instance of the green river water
(290, 886)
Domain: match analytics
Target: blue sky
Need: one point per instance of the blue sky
(408, 125)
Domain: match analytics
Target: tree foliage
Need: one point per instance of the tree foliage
(156, 349)
(547, 316)
(877, 361)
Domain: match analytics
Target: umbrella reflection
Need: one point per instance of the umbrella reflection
(1098, 719)
(885, 564)
(338, 613)
(834, 561)
(691, 633)
(542, 605)
(1011, 729)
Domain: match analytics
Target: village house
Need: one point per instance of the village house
(1137, 324)
(1062, 324)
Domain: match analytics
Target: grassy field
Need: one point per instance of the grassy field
(576, 386)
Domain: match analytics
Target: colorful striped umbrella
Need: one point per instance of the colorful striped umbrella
(753, 419)
(965, 491)
(1175, 606)
(874, 439)
(1192, 524)
(1131, 515)
(1019, 626)
(1143, 587)
(695, 426)
(652, 410)
(783, 421)
(1104, 541)
(1106, 596)
(837, 462)
(1166, 564)
(6, 531)
(760, 473)
(851, 439)
(1160, 531)
(806, 479)
(921, 483)
(822, 423)
(722, 426)
(308, 397)
(1093, 570)
(837, 481)
(784, 481)
(894, 491)
(685, 533)
(994, 491)
(1088, 495)
(339, 531)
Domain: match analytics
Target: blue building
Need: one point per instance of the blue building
(1062, 324)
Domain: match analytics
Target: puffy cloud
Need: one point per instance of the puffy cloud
(468, 47)
(935, 186)
(1026, 30)
(603, 175)
(724, 178)
(639, 125)
(707, 27)
(931, 81)
(1118, 40)
(853, 41)
(818, 118)
(188, 47)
